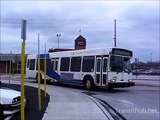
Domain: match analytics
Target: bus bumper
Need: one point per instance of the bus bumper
(118, 85)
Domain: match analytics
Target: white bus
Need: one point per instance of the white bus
(108, 68)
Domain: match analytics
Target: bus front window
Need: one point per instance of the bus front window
(116, 63)
(127, 65)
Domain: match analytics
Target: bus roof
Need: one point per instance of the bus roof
(84, 52)
(74, 53)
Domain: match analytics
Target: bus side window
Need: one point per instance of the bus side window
(65, 63)
(28, 63)
(49, 64)
(42, 64)
(56, 65)
(76, 64)
(88, 64)
(53, 63)
(36, 64)
(32, 64)
(104, 65)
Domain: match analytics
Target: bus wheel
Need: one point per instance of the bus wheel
(110, 88)
(41, 80)
(89, 84)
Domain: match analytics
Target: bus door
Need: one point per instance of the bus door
(101, 71)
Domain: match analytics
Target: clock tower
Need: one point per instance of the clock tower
(80, 43)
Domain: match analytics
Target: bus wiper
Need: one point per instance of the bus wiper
(127, 70)
(118, 71)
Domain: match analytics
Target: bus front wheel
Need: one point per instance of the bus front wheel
(89, 85)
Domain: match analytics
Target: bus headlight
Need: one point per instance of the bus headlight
(130, 80)
(113, 80)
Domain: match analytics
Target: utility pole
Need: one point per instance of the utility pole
(114, 33)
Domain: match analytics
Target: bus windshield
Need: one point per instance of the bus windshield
(127, 65)
(120, 64)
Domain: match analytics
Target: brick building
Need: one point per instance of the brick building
(7, 60)
(80, 43)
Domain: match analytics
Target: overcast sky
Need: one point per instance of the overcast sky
(137, 25)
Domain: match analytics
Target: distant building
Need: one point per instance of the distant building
(80, 43)
(145, 66)
(10, 59)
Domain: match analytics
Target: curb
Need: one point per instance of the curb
(139, 84)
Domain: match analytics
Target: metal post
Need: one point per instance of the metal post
(10, 67)
(58, 35)
(45, 71)
(22, 79)
(39, 79)
(0, 54)
(115, 33)
(151, 56)
(23, 37)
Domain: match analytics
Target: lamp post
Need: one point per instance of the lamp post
(58, 35)
(151, 56)
(115, 34)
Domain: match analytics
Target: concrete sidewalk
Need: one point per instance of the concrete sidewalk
(70, 105)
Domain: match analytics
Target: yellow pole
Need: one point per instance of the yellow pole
(12, 70)
(45, 73)
(23, 37)
(22, 79)
(39, 90)
(45, 77)
(9, 71)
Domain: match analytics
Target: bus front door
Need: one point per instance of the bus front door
(101, 71)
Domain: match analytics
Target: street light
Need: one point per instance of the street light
(151, 56)
(58, 35)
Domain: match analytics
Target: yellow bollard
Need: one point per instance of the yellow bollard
(39, 77)
(45, 73)
(22, 79)
(45, 77)
(9, 71)
(39, 90)
(23, 37)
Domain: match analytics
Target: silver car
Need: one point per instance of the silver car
(10, 100)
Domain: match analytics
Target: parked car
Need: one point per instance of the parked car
(136, 72)
(10, 101)
(153, 72)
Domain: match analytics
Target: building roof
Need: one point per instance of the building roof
(10, 57)
(80, 37)
(148, 63)
(59, 49)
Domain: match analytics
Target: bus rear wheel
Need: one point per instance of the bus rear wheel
(110, 88)
(89, 85)
(41, 80)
